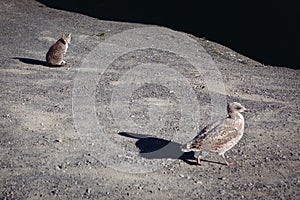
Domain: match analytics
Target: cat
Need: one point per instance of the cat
(55, 55)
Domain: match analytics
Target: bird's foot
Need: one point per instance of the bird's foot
(231, 164)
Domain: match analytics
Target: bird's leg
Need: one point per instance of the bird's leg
(228, 163)
(199, 159)
(198, 156)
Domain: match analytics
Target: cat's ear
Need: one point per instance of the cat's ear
(63, 35)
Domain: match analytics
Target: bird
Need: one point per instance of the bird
(219, 136)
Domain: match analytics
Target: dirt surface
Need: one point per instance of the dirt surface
(63, 137)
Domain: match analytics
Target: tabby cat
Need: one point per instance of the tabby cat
(56, 53)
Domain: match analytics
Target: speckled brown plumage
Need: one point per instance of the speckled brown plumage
(220, 136)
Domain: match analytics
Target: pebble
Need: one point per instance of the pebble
(198, 182)
(88, 191)
(6, 116)
(222, 192)
(267, 159)
(59, 167)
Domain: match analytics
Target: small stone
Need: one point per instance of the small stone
(198, 182)
(59, 167)
(88, 191)
(267, 159)
(54, 191)
(222, 192)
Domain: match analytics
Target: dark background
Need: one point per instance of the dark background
(264, 31)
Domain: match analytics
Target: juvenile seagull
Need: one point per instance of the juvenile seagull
(220, 136)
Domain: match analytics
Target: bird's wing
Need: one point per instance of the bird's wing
(217, 134)
(223, 133)
(196, 143)
(203, 133)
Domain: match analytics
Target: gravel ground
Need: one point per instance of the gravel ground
(96, 129)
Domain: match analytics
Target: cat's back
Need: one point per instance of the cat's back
(55, 50)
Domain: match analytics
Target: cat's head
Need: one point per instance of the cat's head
(66, 37)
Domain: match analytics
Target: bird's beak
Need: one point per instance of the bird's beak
(247, 110)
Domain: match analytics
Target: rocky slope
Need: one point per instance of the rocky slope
(61, 127)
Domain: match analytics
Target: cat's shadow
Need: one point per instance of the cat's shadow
(31, 61)
(157, 148)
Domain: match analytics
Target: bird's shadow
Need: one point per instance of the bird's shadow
(157, 148)
(31, 61)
